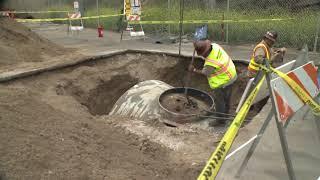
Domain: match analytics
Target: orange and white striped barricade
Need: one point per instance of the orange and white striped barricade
(134, 18)
(287, 101)
(9, 14)
(5, 13)
(132, 32)
(72, 18)
(131, 29)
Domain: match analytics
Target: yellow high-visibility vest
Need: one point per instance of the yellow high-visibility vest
(225, 69)
(253, 66)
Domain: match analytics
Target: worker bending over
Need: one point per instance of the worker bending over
(221, 74)
(262, 51)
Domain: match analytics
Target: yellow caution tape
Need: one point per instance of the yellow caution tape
(65, 19)
(43, 20)
(214, 164)
(149, 22)
(208, 21)
(303, 95)
(32, 12)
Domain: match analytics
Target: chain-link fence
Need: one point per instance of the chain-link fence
(237, 21)
(245, 21)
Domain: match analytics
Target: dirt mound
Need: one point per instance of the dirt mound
(19, 44)
(39, 141)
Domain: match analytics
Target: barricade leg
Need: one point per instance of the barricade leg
(255, 144)
(280, 128)
(316, 119)
(283, 140)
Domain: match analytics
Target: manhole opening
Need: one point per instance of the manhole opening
(99, 84)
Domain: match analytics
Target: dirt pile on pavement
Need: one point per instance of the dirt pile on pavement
(40, 141)
(19, 44)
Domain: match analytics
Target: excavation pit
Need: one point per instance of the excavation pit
(98, 84)
(71, 105)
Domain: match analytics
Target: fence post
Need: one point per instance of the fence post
(98, 13)
(227, 24)
(60, 5)
(169, 9)
(317, 35)
(82, 7)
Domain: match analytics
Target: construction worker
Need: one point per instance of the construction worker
(221, 74)
(263, 50)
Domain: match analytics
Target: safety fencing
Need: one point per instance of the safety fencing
(32, 12)
(67, 19)
(299, 25)
(296, 32)
(210, 21)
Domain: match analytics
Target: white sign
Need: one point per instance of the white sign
(136, 10)
(76, 5)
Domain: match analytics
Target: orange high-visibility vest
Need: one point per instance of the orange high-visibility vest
(253, 66)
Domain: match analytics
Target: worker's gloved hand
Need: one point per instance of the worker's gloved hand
(278, 55)
(258, 59)
(191, 68)
(281, 51)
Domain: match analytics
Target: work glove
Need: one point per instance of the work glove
(279, 55)
(281, 51)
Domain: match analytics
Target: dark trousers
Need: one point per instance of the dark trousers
(222, 97)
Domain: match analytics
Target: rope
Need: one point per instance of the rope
(222, 118)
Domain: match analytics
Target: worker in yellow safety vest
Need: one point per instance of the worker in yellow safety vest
(221, 74)
(263, 50)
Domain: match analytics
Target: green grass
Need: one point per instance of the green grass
(110, 23)
(292, 33)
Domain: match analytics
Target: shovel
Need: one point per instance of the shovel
(188, 80)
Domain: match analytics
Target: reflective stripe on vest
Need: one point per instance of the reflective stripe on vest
(253, 66)
(225, 69)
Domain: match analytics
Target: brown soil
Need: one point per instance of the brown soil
(39, 141)
(54, 125)
(98, 85)
(18, 44)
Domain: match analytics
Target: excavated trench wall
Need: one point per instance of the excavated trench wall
(97, 84)
(100, 83)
